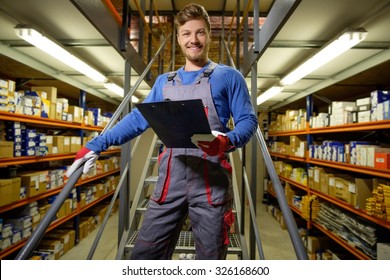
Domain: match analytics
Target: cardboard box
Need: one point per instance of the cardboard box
(35, 182)
(341, 190)
(53, 245)
(9, 190)
(51, 92)
(77, 113)
(66, 144)
(362, 190)
(58, 141)
(75, 144)
(63, 237)
(58, 111)
(315, 243)
(6, 149)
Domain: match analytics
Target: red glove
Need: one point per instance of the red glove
(218, 146)
(83, 155)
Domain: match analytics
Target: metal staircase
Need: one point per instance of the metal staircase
(186, 241)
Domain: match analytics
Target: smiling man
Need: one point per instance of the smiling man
(192, 181)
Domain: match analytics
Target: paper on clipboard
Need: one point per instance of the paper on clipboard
(175, 122)
(205, 137)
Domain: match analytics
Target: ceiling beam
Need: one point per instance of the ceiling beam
(278, 15)
(99, 16)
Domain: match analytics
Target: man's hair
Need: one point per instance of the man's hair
(190, 12)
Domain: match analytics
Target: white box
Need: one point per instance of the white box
(363, 101)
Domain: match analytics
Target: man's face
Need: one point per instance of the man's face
(194, 40)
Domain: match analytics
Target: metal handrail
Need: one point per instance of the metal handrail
(286, 211)
(40, 230)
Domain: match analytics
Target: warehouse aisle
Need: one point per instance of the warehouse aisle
(275, 241)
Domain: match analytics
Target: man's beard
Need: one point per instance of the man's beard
(200, 57)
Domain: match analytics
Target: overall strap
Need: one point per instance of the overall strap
(171, 78)
(206, 73)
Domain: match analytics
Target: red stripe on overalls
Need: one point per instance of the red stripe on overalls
(206, 179)
(167, 179)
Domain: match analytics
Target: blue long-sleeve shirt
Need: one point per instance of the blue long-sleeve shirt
(230, 95)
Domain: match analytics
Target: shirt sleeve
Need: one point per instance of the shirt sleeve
(233, 100)
(131, 126)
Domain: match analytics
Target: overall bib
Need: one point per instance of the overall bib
(189, 182)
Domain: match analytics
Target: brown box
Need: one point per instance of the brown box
(6, 149)
(35, 183)
(49, 144)
(58, 111)
(58, 141)
(70, 232)
(318, 171)
(54, 245)
(9, 190)
(63, 237)
(52, 112)
(66, 144)
(341, 190)
(51, 92)
(324, 185)
(77, 113)
(75, 144)
(363, 190)
(315, 243)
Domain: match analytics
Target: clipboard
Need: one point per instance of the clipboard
(175, 122)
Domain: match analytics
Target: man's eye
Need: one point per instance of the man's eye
(201, 32)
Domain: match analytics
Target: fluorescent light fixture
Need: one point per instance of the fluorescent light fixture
(271, 92)
(45, 44)
(331, 50)
(119, 91)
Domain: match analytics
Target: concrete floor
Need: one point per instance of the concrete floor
(275, 241)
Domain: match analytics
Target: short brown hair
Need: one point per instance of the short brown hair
(190, 12)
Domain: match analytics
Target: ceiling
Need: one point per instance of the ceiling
(312, 24)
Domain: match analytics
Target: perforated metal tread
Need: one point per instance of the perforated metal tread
(153, 160)
(150, 180)
(143, 205)
(186, 243)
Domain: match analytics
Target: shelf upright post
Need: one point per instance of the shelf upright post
(309, 114)
(309, 140)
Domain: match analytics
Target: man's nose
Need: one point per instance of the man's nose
(194, 38)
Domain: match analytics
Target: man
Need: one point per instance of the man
(191, 181)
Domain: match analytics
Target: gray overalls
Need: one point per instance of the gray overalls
(190, 182)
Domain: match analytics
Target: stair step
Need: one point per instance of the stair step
(153, 159)
(186, 243)
(150, 180)
(143, 205)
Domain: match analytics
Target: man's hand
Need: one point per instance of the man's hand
(218, 146)
(83, 155)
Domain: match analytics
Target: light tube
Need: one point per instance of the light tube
(330, 51)
(45, 44)
(269, 93)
